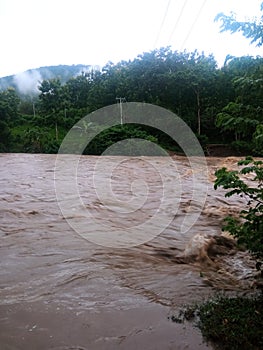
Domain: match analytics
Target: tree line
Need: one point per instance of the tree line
(221, 105)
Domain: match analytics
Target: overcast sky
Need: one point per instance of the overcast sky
(38, 33)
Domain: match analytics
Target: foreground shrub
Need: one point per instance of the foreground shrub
(248, 227)
(233, 323)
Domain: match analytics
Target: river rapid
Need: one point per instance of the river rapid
(61, 291)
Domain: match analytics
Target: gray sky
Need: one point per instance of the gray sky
(38, 33)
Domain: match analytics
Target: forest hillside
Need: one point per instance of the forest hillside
(222, 105)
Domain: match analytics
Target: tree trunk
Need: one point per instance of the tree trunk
(198, 112)
(56, 128)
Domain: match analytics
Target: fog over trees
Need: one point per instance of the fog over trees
(221, 105)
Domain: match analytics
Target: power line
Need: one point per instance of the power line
(162, 24)
(178, 20)
(193, 25)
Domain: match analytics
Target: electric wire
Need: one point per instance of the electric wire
(162, 24)
(178, 20)
(193, 25)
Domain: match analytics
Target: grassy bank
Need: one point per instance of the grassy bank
(233, 323)
(230, 323)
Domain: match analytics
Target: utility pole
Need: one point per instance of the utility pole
(121, 100)
(33, 106)
(34, 109)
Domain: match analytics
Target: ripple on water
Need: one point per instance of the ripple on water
(44, 261)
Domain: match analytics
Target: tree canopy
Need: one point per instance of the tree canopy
(251, 29)
(221, 105)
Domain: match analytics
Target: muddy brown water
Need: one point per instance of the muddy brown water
(61, 291)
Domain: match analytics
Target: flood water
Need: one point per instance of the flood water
(59, 290)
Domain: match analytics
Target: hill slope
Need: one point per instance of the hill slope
(27, 81)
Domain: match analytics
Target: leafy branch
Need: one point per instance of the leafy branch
(248, 227)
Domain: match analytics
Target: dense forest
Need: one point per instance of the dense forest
(221, 105)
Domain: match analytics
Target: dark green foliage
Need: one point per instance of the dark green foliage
(248, 227)
(258, 140)
(233, 323)
(39, 140)
(8, 115)
(237, 118)
(5, 136)
(241, 119)
(242, 147)
(208, 99)
(9, 102)
(229, 323)
(244, 114)
(115, 134)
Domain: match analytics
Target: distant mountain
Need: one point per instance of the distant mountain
(27, 82)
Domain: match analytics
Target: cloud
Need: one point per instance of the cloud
(88, 69)
(28, 82)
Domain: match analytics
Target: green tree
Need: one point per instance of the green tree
(248, 227)
(77, 90)
(246, 112)
(251, 29)
(132, 135)
(9, 102)
(200, 78)
(237, 118)
(258, 140)
(51, 102)
(39, 140)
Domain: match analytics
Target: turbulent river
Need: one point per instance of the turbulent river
(61, 290)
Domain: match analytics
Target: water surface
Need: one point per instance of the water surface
(60, 291)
